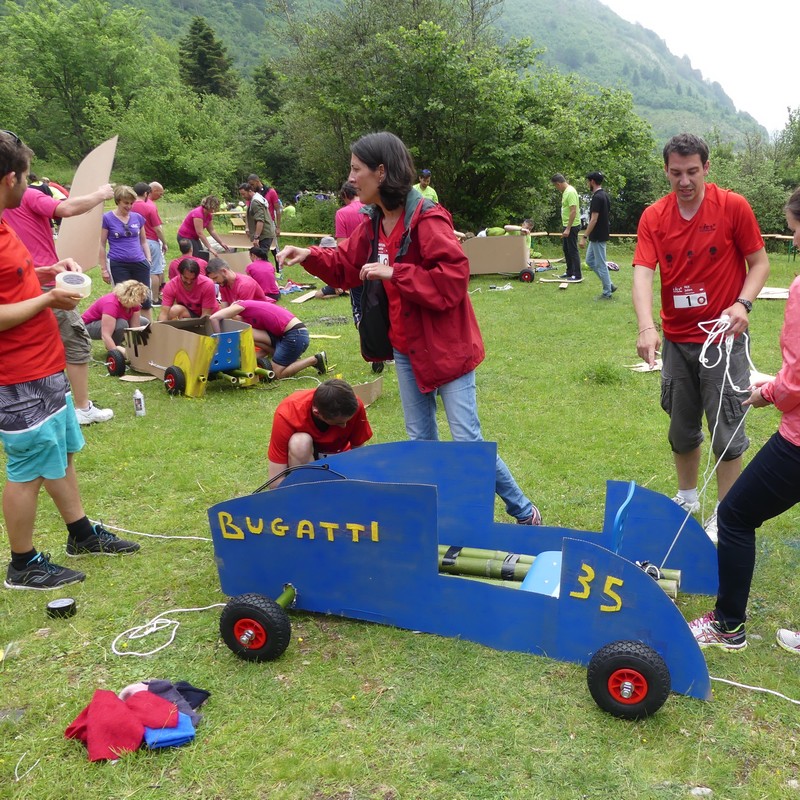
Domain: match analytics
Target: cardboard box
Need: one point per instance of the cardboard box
(494, 254)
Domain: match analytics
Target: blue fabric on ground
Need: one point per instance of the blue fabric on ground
(182, 734)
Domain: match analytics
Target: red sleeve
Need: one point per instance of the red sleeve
(340, 266)
(208, 295)
(42, 204)
(746, 232)
(645, 254)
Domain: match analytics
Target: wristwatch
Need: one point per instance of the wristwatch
(748, 306)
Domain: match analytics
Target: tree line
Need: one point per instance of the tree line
(484, 113)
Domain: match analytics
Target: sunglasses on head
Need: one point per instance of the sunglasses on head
(13, 135)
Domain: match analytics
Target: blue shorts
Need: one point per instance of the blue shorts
(290, 346)
(38, 428)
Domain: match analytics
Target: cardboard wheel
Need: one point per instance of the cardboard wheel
(628, 679)
(255, 627)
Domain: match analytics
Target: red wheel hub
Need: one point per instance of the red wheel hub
(250, 633)
(169, 382)
(111, 363)
(627, 686)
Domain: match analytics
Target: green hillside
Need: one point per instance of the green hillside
(588, 38)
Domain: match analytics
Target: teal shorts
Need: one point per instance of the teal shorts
(38, 428)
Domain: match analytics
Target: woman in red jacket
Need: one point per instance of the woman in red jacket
(407, 244)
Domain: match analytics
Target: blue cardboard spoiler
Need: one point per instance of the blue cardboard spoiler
(358, 536)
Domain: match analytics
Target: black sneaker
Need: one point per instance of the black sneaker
(322, 362)
(40, 574)
(100, 543)
(565, 275)
(614, 288)
(377, 367)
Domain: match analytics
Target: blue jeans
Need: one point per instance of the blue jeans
(768, 486)
(461, 407)
(596, 259)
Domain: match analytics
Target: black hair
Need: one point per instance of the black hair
(141, 188)
(348, 191)
(246, 187)
(189, 265)
(597, 177)
(15, 156)
(558, 178)
(335, 399)
(387, 149)
(185, 245)
(686, 144)
(259, 252)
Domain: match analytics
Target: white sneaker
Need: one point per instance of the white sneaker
(711, 527)
(789, 640)
(86, 416)
(685, 504)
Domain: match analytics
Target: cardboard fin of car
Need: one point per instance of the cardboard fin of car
(79, 236)
(369, 392)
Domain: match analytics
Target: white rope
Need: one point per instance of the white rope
(148, 535)
(755, 689)
(17, 776)
(156, 624)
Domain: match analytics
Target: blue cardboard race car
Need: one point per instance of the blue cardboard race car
(368, 534)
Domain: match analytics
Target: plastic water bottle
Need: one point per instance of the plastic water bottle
(138, 403)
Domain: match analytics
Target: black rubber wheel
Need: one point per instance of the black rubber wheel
(628, 679)
(527, 275)
(255, 627)
(264, 362)
(115, 363)
(174, 380)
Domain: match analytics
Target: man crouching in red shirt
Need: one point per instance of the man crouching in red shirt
(316, 422)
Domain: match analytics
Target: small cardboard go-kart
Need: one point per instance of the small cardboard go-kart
(187, 353)
(392, 534)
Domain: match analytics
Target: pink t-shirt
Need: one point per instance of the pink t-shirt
(202, 294)
(784, 390)
(175, 263)
(244, 288)
(269, 317)
(186, 230)
(31, 222)
(151, 218)
(263, 273)
(348, 218)
(272, 202)
(108, 304)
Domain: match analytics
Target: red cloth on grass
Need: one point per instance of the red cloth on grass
(109, 727)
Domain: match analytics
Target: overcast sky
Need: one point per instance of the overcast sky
(750, 49)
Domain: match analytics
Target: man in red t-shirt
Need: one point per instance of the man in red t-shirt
(707, 245)
(315, 422)
(188, 295)
(154, 233)
(38, 427)
(234, 286)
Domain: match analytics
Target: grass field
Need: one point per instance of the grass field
(354, 711)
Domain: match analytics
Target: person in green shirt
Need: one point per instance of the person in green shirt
(424, 186)
(571, 224)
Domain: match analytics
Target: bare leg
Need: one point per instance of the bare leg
(301, 449)
(727, 473)
(19, 509)
(78, 375)
(66, 495)
(293, 369)
(687, 465)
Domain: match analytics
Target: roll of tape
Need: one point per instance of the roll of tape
(62, 608)
(76, 282)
